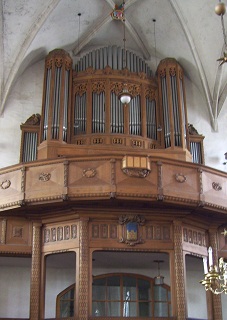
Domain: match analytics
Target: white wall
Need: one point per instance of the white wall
(196, 295)
(60, 274)
(15, 287)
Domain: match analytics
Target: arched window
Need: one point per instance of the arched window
(65, 302)
(121, 295)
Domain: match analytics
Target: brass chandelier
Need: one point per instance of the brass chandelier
(220, 10)
(215, 277)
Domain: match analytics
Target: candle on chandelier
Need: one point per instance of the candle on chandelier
(205, 265)
(210, 254)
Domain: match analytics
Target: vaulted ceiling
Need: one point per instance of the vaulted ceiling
(189, 31)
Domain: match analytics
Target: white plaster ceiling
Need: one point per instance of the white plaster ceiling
(189, 31)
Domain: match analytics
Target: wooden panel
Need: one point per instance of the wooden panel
(180, 182)
(18, 232)
(45, 182)
(89, 178)
(214, 189)
(11, 187)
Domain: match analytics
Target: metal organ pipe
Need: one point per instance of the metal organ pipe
(46, 103)
(113, 57)
(57, 100)
(30, 146)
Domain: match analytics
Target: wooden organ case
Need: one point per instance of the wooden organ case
(81, 109)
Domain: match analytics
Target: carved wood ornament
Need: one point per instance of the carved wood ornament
(131, 230)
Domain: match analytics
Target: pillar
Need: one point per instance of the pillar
(35, 272)
(83, 286)
(179, 272)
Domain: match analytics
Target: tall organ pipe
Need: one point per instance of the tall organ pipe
(57, 96)
(173, 109)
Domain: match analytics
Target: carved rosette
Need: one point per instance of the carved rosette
(180, 178)
(216, 186)
(131, 231)
(44, 177)
(5, 184)
(89, 173)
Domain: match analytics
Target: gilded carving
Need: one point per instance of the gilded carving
(216, 186)
(131, 230)
(5, 184)
(89, 173)
(116, 87)
(180, 177)
(136, 172)
(150, 94)
(44, 177)
(80, 88)
(98, 86)
(90, 70)
(172, 71)
(108, 70)
(33, 120)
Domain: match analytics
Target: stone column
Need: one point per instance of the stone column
(83, 270)
(179, 271)
(217, 306)
(35, 272)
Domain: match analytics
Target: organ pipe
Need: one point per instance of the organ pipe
(113, 57)
(57, 96)
(174, 117)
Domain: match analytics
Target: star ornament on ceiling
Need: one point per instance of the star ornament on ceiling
(223, 59)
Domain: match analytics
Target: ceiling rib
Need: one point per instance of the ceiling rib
(1, 50)
(23, 49)
(197, 61)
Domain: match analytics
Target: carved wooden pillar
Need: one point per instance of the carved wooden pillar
(217, 307)
(83, 270)
(179, 271)
(35, 272)
(3, 232)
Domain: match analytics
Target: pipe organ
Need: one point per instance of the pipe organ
(81, 107)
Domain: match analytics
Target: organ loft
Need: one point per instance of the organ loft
(111, 208)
